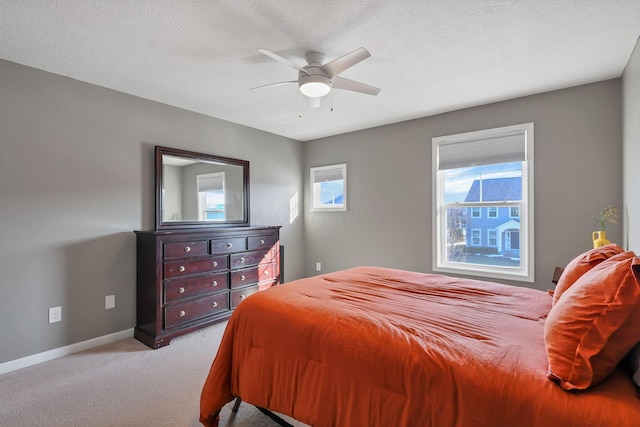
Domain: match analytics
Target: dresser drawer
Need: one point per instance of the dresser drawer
(184, 249)
(239, 295)
(260, 242)
(225, 246)
(248, 259)
(190, 267)
(186, 288)
(187, 311)
(266, 272)
(244, 277)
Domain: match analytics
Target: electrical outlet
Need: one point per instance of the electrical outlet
(55, 314)
(109, 302)
(318, 266)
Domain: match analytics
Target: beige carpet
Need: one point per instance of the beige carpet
(120, 384)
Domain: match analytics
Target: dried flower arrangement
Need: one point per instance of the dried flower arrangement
(607, 216)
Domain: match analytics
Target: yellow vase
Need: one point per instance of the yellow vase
(599, 238)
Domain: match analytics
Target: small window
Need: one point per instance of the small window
(329, 188)
(476, 237)
(492, 212)
(492, 236)
(475, 213)
(514, 212)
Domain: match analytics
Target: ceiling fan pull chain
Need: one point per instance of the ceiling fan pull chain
(299, 104)
(331, 101)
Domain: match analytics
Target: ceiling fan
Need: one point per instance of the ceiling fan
(316, 79)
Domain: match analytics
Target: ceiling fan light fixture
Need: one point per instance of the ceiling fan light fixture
(317, 79)
(315, 86)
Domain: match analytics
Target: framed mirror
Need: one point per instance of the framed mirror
(196, 190)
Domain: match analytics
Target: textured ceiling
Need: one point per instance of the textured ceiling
(428, 57)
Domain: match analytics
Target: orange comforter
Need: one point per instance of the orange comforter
(381, 347)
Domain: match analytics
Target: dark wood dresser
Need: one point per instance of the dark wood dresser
(188, 279)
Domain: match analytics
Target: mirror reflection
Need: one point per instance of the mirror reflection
(200, 190)
(195, 190)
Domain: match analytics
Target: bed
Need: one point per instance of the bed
(375, 346)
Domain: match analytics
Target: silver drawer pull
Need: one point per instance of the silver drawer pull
(242, 277)
(187, 248)
(242, 296)
(181, 290)
(182, 313)
(181, 269)
(262, 241)
(229, 244)
(214, 283)
(266, 273)
(214, 264)
(214, 304)
(242, 260)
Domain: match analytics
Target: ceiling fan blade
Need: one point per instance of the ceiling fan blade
(346, 84)
(338, 65)
(282, 60)
(273, 84)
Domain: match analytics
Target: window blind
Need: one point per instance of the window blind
(328, 175)
(505, 148)
(211, 182)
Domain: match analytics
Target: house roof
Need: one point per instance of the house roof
(495, 189)
(509, 225)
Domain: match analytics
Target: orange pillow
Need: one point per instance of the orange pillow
(595, 324)
(581, 264)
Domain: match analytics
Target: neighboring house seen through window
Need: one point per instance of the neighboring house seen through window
(483, 195)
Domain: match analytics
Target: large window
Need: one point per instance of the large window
(483, 196)
(329, 188)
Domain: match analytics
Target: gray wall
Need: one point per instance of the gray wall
(76, 178)
(172, 184)
(631, 150)
(578, 161)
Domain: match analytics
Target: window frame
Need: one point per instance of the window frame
(315, 203)
(526, 271)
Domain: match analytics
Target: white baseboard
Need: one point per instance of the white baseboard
(34, 359)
